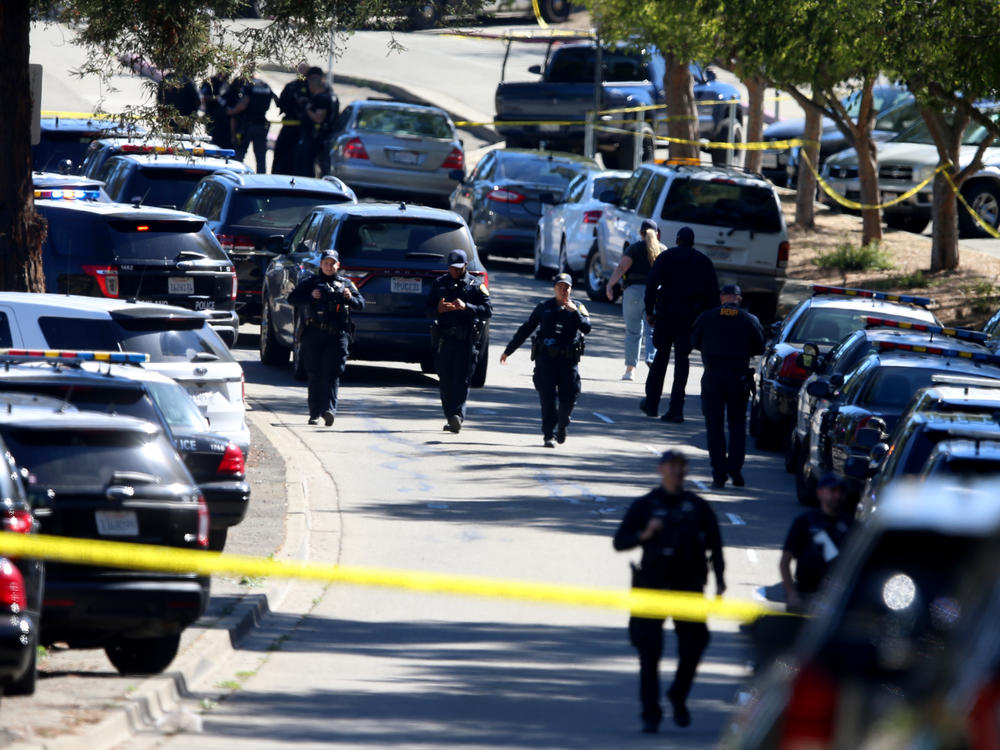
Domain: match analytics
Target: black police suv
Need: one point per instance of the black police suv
(251, 213)
(96, 159)
(94, 476)
(392, 252)
(59, 186)
(150, 254)
(66, 138)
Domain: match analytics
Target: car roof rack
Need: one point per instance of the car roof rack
(939, 351)
(71, 357)
(957, 380)
(871, 294)
(966, 334)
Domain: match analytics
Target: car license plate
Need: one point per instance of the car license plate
(405, 157)
(180, 285)
(547, 127)
(117, 523)
(399, 285)
(202, 398)
(770, 160)
(886, 197)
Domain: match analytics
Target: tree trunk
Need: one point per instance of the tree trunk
(944, 232)
(681, 109)
(21, 229)
(755, 121)
(805, 196)
(864, 146)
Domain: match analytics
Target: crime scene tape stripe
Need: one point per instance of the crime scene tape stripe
(642, 602)
(848, 203)
(538, 14)
(975, 215)
(75, 115)
(752, 146)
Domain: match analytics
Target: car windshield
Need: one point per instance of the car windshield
(973, 135)
(722, 203)
(891, 387)
(825, 326)
(55, 146)
(576, 65)
(177, 406)
(424, 123)
(364, 240)
(614, 184)
(883, 97)
(166, 188)
(126, 402)
(276, 210)
(540, 170)
(163, 340)
(84, 459)
(965, 468)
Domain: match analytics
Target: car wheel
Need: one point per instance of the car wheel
(805, 486)
(767, 435)
(984, 197)
(594, 280)
(25, 684)
(298, 367)
(427, 366)
(217, 539)
(482, 364)
(792, 452)
(564, 258)
(139, 656)
(554, 11)
(272, 351)
(719, 155)
(906, 222)
(542, 273)
(623, 157)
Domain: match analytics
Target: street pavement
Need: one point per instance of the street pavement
(348, 667)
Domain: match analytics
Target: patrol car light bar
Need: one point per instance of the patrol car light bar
(955, 333)
(140, 148)
(869, 294)
(939, 351)
(68, 195)
(58, 355)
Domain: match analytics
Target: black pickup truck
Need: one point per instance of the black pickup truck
(630, 78)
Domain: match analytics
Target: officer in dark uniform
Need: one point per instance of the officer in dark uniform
(678, 531)
(317, 114)
(326, 300)
(213, 100)
(556, 351)
(681, 285)
(460, 305)
(291, 101)
(727, 338)
(250, 112)
(181, 94)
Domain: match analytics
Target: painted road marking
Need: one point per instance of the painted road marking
(700, 485)
(735, 520)
(752, 555)
(603, 418)
(651, 449)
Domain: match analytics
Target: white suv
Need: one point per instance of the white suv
(736, 217)
(180, 344)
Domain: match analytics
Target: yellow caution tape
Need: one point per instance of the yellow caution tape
(848, 203)
(75, 115)
(642, 602)
(975, 215)
(538, 14)
(722, 145)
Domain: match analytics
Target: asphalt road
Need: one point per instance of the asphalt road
(350, 667)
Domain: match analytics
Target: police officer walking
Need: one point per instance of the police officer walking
(250, 112)
(460, 305)
(556, 351)
(681, 286)
(727, 338)
(291, 101)
(318, 111)
(678, 532)
(326, 300)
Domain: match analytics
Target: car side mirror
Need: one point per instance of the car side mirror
(775, 328)
(609, 196)
(857, 467)
(275, 244)
(837, 380)
(536, 69)
(458, 175)
(809, 358)
(548, 199)
(819, 389)
(868, 438)
(709, 74)
(878, 452)
(301, 248)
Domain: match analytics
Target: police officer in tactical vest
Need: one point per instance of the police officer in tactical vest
(250, 113)
(291, 100)
(556, 351)
(678, 532)
(460, 306)
(727, 337)
(326, 300)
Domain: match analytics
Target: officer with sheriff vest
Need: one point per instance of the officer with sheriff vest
(727, 337)
(556, 351)
(325, 301)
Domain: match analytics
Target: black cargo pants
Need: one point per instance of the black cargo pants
(724, 396)
(647, 637)
(324, 356)
(558, 384)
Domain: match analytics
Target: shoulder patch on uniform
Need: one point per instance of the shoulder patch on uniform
(484, 290)
(583, 310)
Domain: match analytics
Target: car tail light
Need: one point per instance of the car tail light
(791, 369)
(592, 217)
(358, 277)
(502, 195)
(455, 160)
(106, 278)
(12, 593)
(235, 287)
(19, 521)
(484, 276)
(203, 519)
(783, 250)
(232, 463)
(811, 712)
(355, 149)
(236, 243)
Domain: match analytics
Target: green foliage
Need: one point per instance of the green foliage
(849, 257)
(915, 280)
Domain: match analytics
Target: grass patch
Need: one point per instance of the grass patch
(244, 676)
(915, 280)
(41, 652)
(982, 296)
(847, 257)
(228, 685)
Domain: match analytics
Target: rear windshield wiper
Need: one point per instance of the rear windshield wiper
(205, 357)
(133, 477)
(431, 256)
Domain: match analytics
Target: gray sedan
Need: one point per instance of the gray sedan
(395, 150)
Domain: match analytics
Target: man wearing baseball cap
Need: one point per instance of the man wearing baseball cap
(727, 337)
(460, 305)
(678, 532)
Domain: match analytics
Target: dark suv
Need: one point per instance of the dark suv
(94, 476)
(392, 252)
(246, 210)
(164, 180)
(113, 250)
(66, 137)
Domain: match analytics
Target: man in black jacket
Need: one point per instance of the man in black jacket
(681, 285)
(678, 531)
(326, 300)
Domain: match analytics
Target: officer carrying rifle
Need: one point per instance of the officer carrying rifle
(556, 352)
(325, 301)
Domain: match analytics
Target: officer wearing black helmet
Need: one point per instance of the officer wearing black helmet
(727, 337)
(250, 113)
(681, 285)
(678, 533)
(556, 351)
(460, 305)
(326, 300)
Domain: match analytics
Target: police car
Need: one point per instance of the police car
(58, 186)
(113, 383)
(95, 160)
(823, 319)
(180, 344)
(65, 136)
